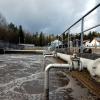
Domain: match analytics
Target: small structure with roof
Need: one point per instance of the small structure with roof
(96, 42)
(55, 44)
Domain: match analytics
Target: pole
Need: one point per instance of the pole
(68, 37)
(47, 69)
(62, 41)
(82, 28)
(68, 41)
(58, 42)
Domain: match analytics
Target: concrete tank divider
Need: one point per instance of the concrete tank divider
(24, 51)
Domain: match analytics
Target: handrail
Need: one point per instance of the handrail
(91, 28)
(82, 17)
(82, 27)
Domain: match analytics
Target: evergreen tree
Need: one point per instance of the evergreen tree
(21, 35)
(41, 39)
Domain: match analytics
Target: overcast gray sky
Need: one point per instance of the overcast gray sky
(49, 16)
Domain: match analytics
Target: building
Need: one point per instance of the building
(55, 44)
(87, 43)
(26, 46)
(94, 43)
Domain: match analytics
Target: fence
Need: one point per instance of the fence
(82, 27)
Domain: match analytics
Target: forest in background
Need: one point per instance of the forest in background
(11, 33)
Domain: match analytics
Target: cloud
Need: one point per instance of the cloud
(49, 16)
(91, 19)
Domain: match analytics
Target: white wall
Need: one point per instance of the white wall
(95, 42)
(88, 44)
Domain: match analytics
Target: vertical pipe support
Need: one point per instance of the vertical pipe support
(47, 69)
(82, 33)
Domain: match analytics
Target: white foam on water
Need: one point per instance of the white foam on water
(21, 60)
(17, 82)
(2, 65)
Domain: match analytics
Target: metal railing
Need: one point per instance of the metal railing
(82, 27)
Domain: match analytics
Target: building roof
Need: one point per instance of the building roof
(86, 41)
(56, 43)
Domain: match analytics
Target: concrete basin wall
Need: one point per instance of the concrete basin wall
(24, 51)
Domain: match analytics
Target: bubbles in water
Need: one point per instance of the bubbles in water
(22, 78)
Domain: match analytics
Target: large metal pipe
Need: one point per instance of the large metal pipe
(47, 69)
(44, 58)
(64, 57)
(86, 63)
(45, 55)
(93, 66)
(48, 56)
(67, 58)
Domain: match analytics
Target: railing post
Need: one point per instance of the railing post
(62, 41)
(68, 37)
(58, 42)
(82, 29)
(68, 41)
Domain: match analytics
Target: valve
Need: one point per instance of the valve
(76, 63)
(54, 53)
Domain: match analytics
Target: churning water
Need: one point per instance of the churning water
(22, 78)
